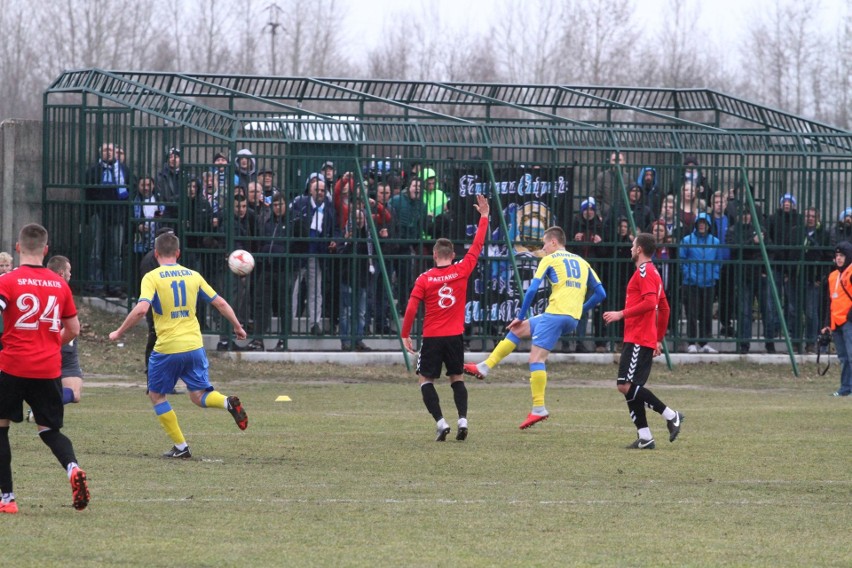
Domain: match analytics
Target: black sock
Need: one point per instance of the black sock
(5, 461)
(60, 445)
(651, 400)
(430, 399)
(460, 396)
(636, 407)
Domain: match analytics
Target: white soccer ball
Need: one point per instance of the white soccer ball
(241, 262)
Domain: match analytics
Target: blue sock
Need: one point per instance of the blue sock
(67, 395)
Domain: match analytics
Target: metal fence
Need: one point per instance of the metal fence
(539, 151)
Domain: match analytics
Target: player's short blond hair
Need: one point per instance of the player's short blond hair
(555, 233)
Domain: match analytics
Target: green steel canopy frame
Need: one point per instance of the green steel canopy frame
(493, 123)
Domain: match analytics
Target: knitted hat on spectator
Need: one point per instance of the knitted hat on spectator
(311, 178)
(845, 213)
(587, 203)
(845, 248)
(788, 197)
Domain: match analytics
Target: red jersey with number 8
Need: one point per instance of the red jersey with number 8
(34, 301)
(444, 292)
(646, 309)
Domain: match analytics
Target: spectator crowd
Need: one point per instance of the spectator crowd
(709, 251)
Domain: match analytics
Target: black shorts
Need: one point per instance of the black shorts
(435, 352)
(635, 364)
(71, 361)
(44, 396)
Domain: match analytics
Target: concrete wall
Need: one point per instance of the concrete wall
(20, 178)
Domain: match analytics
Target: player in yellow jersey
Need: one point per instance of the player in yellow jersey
(171, 291)
(569, 276)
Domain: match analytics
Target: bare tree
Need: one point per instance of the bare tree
(249, 30)
(17, 81)
(528, 43)
(316, 37)
(681, 55)
(208, 45)
(604, 52)
(839, 109)
(781, 55)
(96, 33)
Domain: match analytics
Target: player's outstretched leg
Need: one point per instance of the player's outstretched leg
(236, 409)
(538, 384)
(501, 351)
(674, 426)
(79, 486)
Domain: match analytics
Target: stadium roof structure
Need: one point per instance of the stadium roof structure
(451, 113)
(539, 149)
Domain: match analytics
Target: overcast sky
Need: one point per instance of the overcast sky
(721, 19)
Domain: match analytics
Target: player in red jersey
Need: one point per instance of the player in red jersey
(443, 289)
(646, 317)
(40, 317)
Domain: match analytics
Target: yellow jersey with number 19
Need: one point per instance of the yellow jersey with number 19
(569, 276)
(173, 290)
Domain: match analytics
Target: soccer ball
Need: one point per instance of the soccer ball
(241, 262)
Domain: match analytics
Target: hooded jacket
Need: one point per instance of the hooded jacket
(435, 200)
(650, 195)
(840, 289)
(700, 256)
(589, 228)
(785, 231)
(842, 231)
(243, 177)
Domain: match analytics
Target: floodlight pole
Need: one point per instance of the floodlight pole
(273, 24)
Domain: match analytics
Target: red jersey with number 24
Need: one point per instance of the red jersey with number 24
(646, 309)
(34, 300)
(444, 291)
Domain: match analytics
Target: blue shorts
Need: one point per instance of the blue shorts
(546, 329)
(164, 369)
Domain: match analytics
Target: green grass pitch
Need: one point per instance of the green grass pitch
(348, 474)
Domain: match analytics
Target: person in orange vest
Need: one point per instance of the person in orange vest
(840, 314)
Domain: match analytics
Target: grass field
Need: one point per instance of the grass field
(348, 474)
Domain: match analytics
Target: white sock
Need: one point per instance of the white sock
(483, 368)
(462, 422)
(70, 468)
(645, 434)
(539, 411)
(8, 497)
(181, 446)
(443, 424)
(669, 414)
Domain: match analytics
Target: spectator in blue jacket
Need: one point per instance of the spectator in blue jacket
(719, 225)
(699, 252)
